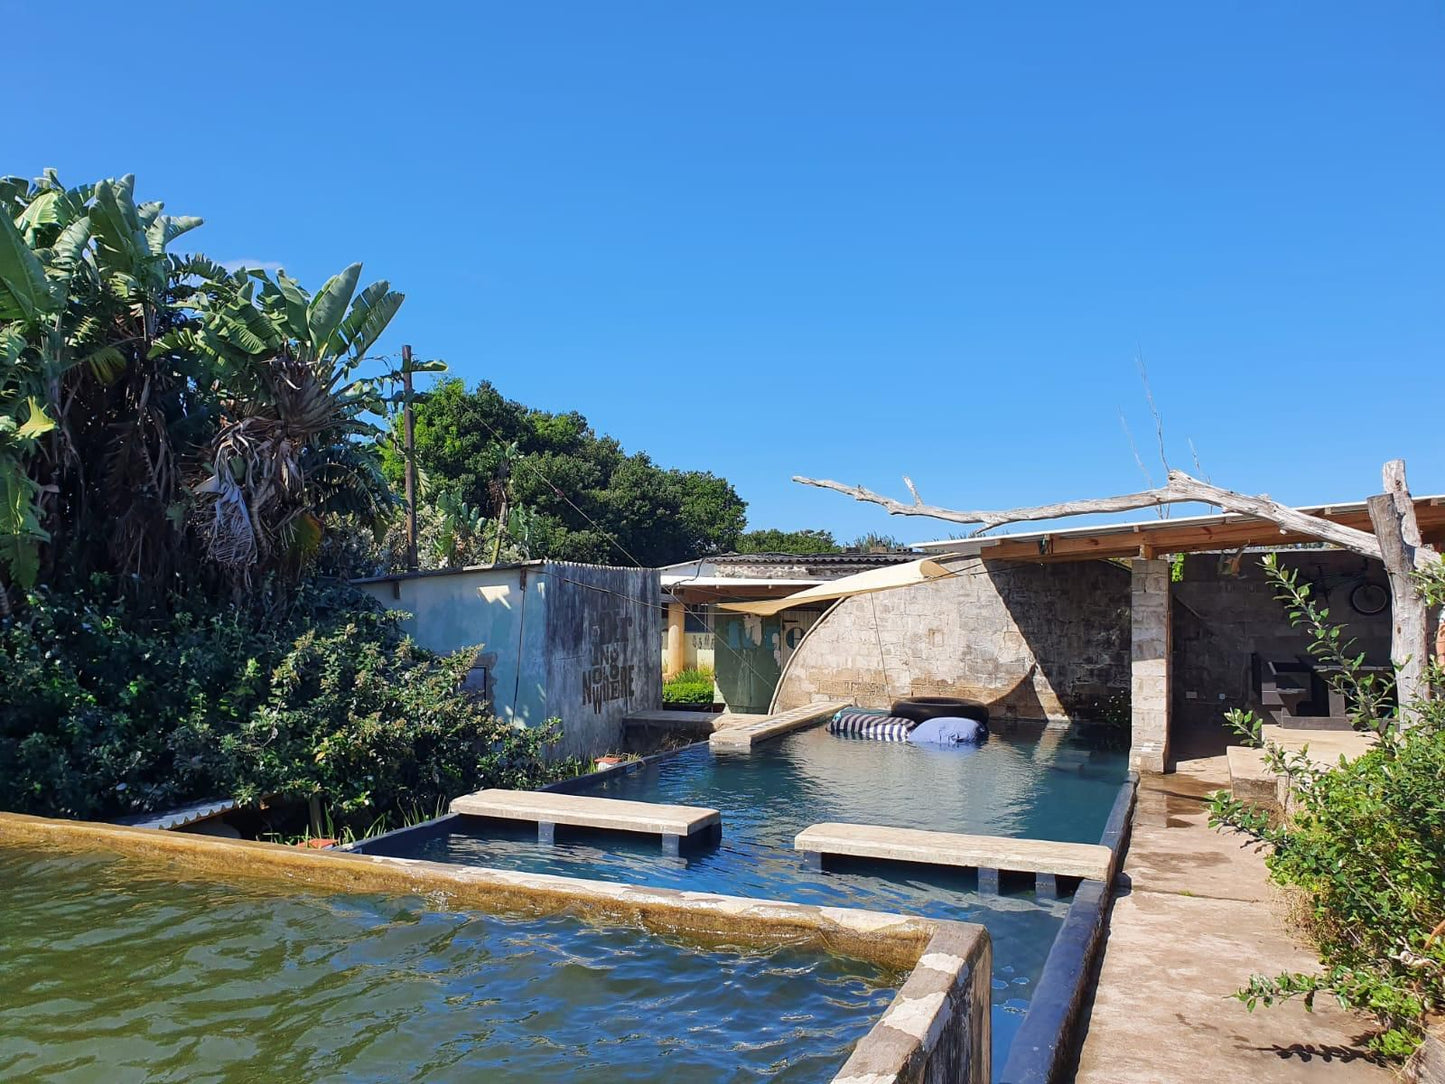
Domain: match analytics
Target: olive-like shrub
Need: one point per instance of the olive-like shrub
(108, 709)
(1362, 843)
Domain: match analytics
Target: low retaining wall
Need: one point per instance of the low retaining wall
(936, 1029)
(1043, 1051)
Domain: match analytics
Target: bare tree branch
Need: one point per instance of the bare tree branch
(1181, 488)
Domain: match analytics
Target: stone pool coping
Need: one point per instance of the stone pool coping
(936, 1027)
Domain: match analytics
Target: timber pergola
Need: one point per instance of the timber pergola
(1394, 528)
(1148, 539)
(1146, 545)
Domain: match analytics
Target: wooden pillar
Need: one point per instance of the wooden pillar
(1393, 516)
(676, 661)
(1150, 687)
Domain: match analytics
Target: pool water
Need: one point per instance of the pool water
(113, 971)
(1049, 786)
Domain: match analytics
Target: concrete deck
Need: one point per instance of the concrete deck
(547, 809)
(1250, 778)
(1195, 917)
(741, 737)
(677, 719)
(987, 854)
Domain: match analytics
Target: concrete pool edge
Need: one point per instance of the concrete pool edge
(1044, 1047)
(936, 1027)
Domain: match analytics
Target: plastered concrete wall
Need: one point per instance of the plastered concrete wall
(499, 611)
(1046, 642)
(575, 642)
(603, 632)
(1221, 617)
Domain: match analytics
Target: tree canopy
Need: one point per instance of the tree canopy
(584, 497)
(772, 540)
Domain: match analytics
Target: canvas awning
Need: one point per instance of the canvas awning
(862, 583)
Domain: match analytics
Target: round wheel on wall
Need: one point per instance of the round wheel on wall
(922, 708)
(1369, 598)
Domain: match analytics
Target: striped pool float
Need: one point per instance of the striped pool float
(860, 723)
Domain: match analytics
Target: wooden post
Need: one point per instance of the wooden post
(1393, 515)
(408, 424)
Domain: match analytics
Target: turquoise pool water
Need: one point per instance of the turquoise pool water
(1045, 787)
(112, 973)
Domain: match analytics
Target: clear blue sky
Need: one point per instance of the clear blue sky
(835, 238)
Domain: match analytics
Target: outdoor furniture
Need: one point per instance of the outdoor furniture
(1298, 692)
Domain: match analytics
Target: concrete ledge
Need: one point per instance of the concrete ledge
(1045, 1043)
(934, 1029)
(1250, 779)
(548, 809)
(888, 939)
(956, 849)
(742, 737)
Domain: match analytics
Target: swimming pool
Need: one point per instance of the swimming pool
(115, 970)
(1052, 785)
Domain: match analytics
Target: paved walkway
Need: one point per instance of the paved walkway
(1195, 917)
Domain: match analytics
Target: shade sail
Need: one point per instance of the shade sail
(862, 583)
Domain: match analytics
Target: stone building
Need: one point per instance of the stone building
(1159, 626)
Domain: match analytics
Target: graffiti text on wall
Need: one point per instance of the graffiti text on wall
(608, 677)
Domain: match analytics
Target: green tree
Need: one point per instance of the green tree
(582, 497)
(873, 542)
(771, 540)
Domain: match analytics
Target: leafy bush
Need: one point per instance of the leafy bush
(1363, 842)
(108, 711)
(689, 687)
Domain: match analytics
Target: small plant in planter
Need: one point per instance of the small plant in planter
(689, 688)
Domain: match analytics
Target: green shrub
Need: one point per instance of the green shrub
(693, 686)
(1364, 843)
(106, 711)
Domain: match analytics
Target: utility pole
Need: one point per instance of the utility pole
(408, 424)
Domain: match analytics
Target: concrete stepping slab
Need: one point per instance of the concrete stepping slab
(547, 809)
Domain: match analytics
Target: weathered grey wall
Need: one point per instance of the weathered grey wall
(604, 631)
(500, 611)
(1037, 641)
(1221, 619)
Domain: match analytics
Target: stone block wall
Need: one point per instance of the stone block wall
(1040, 642)
(1150, 665)
(1226, 611)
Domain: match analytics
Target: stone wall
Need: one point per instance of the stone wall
(1042, 642)
(1150, 654)
(1222, 617)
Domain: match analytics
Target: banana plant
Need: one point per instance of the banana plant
(84, 281)
(297, 440)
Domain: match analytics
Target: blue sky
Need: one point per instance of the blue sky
(843, 239)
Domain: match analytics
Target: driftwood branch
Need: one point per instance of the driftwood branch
(1181, 488)
(1403, 551)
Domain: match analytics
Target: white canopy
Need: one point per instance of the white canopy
(862, 583)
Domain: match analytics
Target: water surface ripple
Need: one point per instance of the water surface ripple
(110, 972)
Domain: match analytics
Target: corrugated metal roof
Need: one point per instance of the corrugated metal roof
(877, 560)
(186, 814)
